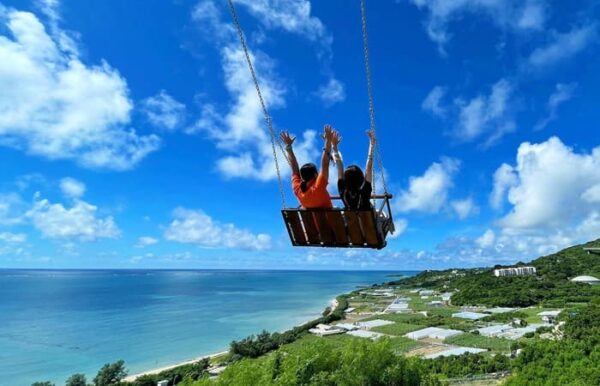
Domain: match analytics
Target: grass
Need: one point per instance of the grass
(397, 328)
(474, 340)
(402, 345)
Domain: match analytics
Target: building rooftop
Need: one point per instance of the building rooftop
(455, 351)
(585, 279)
(365, 334)
(549, 313)
(469, 315)
(433, 332)
(374, 323)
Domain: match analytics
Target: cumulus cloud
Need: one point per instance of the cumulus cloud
(146, 241)
(509, 15)
(432, 103)
(163, 111)
(429, 193)
(196, 227)
(562, 93)
(79, 222)
(332, 92)
(72, 188)
(464, 208)
(563, 46)
(54, 106)
(241, 131)
(12, 209)
(486, 115)
(504, 178)
(12, 238)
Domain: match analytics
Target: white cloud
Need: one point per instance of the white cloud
(563, 46)
(552, 183)
(13, 238)
(464, 208)
(512, 15)
(487, 239)
(562, 93)
(242, 131)
(293, 16)
(486, 115)
(12, 209)
(429, 192)
(80, 222)
(196, 227)
(72, 188)
(146, 241)
(504, 178)
(163, 111)
(432, 102)
(401, 225)
(331, 93)
(53, 105)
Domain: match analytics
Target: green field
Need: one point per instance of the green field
(473, 340)
(397, 328)
(402, 345)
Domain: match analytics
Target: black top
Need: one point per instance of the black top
(355, 200)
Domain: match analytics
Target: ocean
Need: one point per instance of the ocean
(57, 323)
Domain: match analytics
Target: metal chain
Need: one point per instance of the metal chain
(262, 102)
(363, 15)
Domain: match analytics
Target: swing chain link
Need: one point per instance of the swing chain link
(363, 15)
(267, 117)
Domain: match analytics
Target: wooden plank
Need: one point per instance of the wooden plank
(325, 231)
(369, 228)
(312, 233)
(295, 227)
(338, 226)
(354, 233)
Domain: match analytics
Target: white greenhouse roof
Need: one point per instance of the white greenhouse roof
(374, 323)
(365, 334)
(432, 332)
(455, 351)
(469, 315)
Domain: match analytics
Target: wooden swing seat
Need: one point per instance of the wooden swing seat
(339, 228)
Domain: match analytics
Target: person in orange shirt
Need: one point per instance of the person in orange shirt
(310, 186)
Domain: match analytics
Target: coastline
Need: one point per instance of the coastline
(333, 303)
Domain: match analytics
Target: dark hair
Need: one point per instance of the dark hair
(307, 173)
(354, 178)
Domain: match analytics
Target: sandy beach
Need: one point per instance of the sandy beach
(131, 378)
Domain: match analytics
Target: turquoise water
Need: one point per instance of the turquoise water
(56, 323)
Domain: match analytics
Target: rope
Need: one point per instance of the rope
(363, 15)
(262, 102)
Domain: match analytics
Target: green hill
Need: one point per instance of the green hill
(550, 287)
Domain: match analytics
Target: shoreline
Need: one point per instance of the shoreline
(133, 377)
(333, 303)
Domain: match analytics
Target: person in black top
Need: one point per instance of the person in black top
(354, 187)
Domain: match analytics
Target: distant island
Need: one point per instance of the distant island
(525, 324)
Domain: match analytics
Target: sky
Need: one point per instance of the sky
(131, 135)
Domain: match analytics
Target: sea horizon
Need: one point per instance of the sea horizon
(151, 317)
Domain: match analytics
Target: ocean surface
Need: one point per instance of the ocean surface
(56, 323)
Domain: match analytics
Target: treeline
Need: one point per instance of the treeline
(113, 374)
(320, 362)
(551, 286)
(255, 346)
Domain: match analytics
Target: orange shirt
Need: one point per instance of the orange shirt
(316, 195)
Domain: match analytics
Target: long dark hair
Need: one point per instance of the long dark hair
(307, 173)
(354, 178)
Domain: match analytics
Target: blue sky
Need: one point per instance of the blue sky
(131, 136)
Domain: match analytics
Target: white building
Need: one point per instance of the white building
(426, 292)
(432, 333)
(325, 330)
(549, 316)
(499, 310)
(515, 271)
(455, 351)
(446, 296)
(163, 383)
(586, 280)
(469, 315)
(365, 334)
(398, 305)
(374, 323)
(495, 330)
(435, 303)
(347, 326)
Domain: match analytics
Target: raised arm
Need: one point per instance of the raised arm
(337, 157)
(288, 141)
(369, 167)
(327, 135)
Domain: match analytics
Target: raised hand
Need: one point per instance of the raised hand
(372, 138)
(336, 138)
(286, 138)
(327, 133)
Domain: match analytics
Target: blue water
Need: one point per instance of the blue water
(56, 323)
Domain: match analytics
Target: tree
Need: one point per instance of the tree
(46, 383)
(76, 380)
(110, 374)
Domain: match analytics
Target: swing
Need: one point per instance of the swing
(333, 228)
